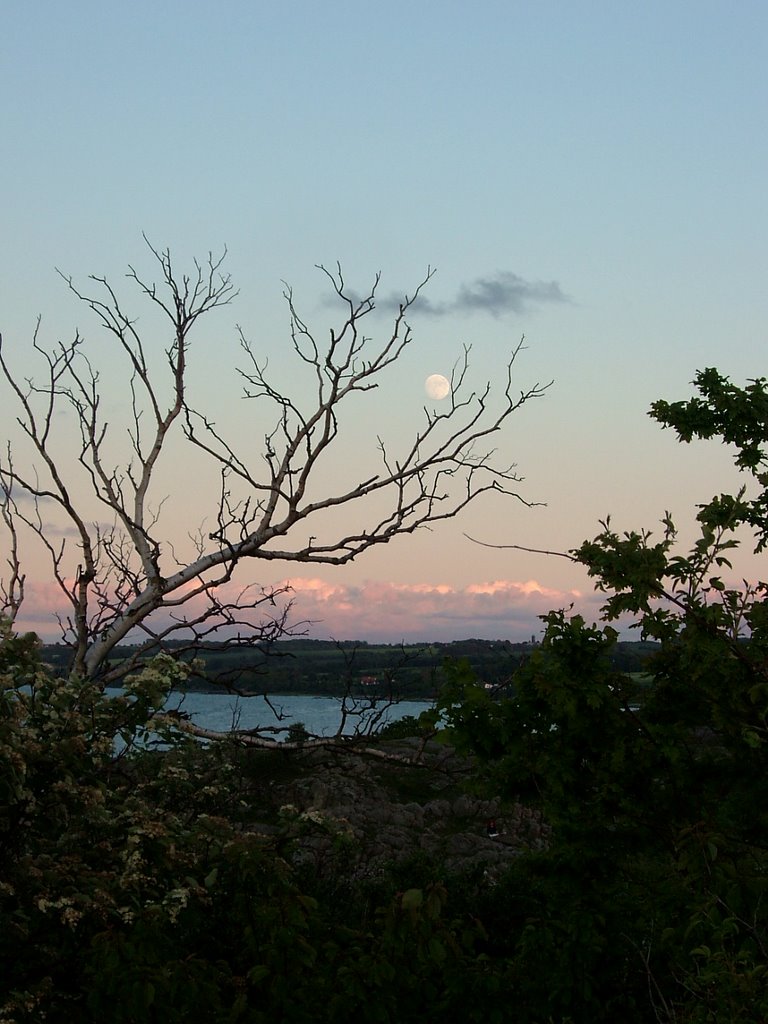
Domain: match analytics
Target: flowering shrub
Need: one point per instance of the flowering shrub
(133, 889)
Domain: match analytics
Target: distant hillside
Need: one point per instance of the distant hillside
(328, 667)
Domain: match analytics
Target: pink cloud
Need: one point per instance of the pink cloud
(382, 611)
(391, 612)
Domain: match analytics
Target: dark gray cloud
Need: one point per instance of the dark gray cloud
(506, 292)
(497, 294)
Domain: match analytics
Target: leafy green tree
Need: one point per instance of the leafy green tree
(651, 901)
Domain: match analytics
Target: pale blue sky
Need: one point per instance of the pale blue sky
(618, 150)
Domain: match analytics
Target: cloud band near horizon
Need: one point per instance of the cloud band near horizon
(415, 612)
(383, 612)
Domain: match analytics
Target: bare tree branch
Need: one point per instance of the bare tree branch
(521, 547)
(123, 579)
(12, 590)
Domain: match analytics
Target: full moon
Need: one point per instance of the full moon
(437, 386)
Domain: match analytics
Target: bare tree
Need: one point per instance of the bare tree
(121, 579)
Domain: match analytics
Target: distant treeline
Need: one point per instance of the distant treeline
(301, 666)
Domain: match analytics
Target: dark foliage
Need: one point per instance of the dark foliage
(134, 885)
(650, 903)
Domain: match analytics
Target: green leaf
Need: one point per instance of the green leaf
(258, 973)
(412, 899)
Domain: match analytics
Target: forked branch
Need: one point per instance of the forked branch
(123, 578)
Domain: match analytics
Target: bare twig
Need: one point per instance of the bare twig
(521, 547)
(122, 580)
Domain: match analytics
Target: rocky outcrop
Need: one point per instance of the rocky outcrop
(379, 811)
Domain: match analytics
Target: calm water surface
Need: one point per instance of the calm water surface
(320, 715)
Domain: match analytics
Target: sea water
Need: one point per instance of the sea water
(321, 716)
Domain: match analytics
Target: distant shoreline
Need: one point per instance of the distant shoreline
(325, 668)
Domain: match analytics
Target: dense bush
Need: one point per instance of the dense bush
(134, 886)
(652, 899)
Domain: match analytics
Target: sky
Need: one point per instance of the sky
(591, 175)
